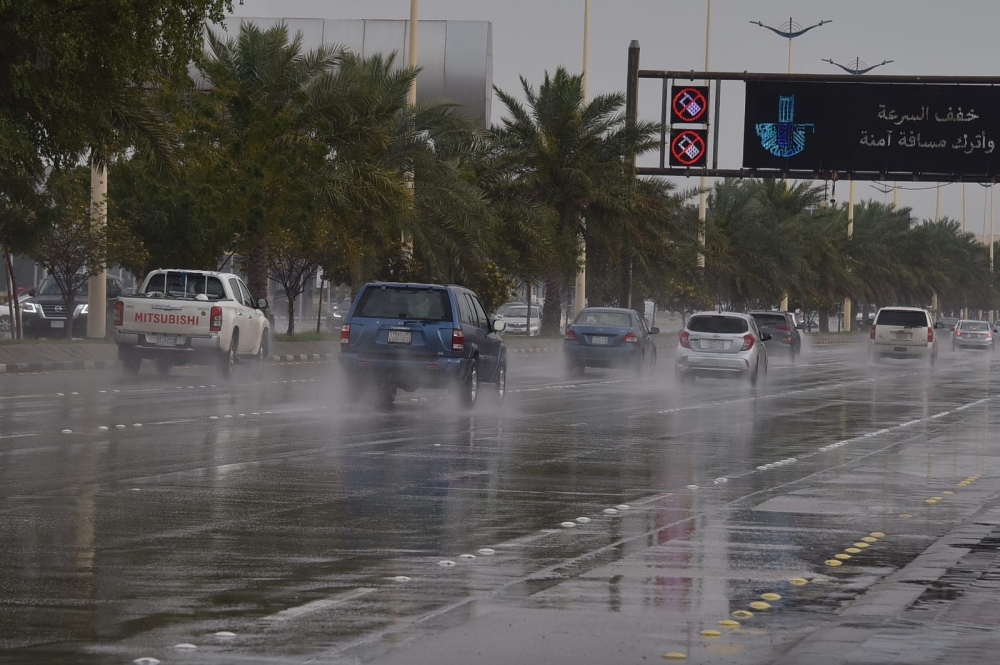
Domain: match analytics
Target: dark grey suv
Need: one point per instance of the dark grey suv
(785, 332)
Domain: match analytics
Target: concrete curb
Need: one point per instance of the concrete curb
(21, 368)
(304, 357)
(882, 607)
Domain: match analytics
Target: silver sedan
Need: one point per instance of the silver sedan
(973, 335)
(721, 344)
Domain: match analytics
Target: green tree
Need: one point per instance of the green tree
(574, 157)
(69, 246)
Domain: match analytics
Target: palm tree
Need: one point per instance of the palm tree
(270, 99)
(572, 157)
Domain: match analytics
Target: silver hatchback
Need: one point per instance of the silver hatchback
(721, 344)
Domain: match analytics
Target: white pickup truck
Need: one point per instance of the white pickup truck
(183, 315)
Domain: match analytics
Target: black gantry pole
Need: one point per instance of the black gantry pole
(631, 120)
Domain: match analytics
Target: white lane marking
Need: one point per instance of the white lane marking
(321, 604)
(16, 436)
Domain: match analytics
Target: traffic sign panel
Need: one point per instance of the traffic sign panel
(689, 148)
(689, 104)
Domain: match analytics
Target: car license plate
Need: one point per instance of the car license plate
(58, 324)
(899, 349)
(166, 340)
(713, 344)
(599, 340)
(903, 335)
(400, 336)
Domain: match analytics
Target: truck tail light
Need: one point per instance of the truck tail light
(119, 314)
(457, 340)
(631, 338)
(345, 334)
(930, 334)
(685, 338)
(748, 341)
(872, 334)
(215, 323)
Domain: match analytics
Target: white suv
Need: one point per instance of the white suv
(902, 332)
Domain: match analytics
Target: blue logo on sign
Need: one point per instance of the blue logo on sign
(786, 137)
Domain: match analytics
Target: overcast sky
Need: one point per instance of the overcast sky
(531, 36)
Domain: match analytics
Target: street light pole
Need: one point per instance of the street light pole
(789, 31)
(703, 185)
(406, 244)
(858, 69)
(580, 300)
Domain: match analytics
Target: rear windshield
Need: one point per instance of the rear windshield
(393, 302)
(974, 325)
(522, 313)
(902, 318)
(721, 325)
(770, 319)
(619, 319)
(184, 285)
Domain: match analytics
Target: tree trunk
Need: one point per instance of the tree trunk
(256, 269)
(528, 298)
(824, 321)
(15, 305)
(291, 313)
(550, 313)
(68, 306)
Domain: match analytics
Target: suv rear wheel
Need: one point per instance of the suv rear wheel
(502, 381)
(469, 388)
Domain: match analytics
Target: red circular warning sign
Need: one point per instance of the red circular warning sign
(688, 147)
(689, 104)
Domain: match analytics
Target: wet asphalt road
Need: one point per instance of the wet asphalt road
(602, 519)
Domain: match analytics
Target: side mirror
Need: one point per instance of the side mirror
(262, 303)
(654, 331)
(765, 337)
(799, 326)
(499, 325)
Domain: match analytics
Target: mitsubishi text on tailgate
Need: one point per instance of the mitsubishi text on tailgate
(181, 315)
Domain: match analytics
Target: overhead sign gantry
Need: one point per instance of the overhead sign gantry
(829, 127)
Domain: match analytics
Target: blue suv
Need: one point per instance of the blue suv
(413, 336)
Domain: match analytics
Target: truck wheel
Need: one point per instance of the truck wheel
(228, 359)
(262, 353)
(385, 395)
(163, 366)
(131, 364)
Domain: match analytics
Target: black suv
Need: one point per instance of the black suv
(50, 312)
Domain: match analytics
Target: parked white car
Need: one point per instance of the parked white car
(181, 315)
(721, 344)
(516, 317)
(902, 332)
(6, 320)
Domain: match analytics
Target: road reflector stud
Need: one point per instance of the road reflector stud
(759, 605)
(770, 596)
(938, 498)
(711, 633)
(862, 545)
(833, 562)
(842, 556)
(947, 492)
(931, 501)
(877, 534)
(798, 581)
(729, 623)
(675, 655)
(742, 614)
(853, 550)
